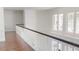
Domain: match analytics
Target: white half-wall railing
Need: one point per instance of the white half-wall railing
(43, 42)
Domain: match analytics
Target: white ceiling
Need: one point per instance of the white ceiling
(22, 8)
(42, 8)
(14, 8)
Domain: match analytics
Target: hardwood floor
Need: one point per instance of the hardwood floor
(14, 42)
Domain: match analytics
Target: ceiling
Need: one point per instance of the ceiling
(22, 8)
(42, 8)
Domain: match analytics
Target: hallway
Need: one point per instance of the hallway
(14, 43)
(39, 29)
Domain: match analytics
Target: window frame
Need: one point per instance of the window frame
(62, 22)
(53, 20)
(73, 21)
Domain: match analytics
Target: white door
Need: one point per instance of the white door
(2, 32)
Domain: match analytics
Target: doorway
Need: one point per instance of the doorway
(12, 18)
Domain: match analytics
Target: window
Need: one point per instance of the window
(77, 22)
(55, 22)
(71, 22)
(60, 22)
(71, 25)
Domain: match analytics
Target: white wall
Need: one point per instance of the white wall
(12, 18)
(9, 20)
(2, 30)
(38, 20)
(19, 17)
(30, 18)
(44, 21)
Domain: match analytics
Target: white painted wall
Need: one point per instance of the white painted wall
(38, 20)
(2, 30)
(44, 22)
(19, 16)
(9, 20)
(30, 18)
(12, 17)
